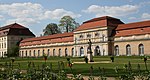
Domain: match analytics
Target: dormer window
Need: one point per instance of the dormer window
(141, 29)
(88, 35)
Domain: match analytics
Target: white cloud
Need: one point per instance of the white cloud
(21, 10)
(30, 13)
(59, 13)
(24, 21)
(112, 10)
(145, 16)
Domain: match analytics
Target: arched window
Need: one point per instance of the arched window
(38, 53)
(2, 54)
(66, 52)
(34, 53)
(53, 52)
(103, 52)
(128, 50)
(81, 51)
(26, 53)
(116, 50)
(48, 52)
(97, 51)
(30, 53)
(72, 50)
(59, 52)
(141, 49)
(22, 53)
(43, 52)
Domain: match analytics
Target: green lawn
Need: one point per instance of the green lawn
(83, 68)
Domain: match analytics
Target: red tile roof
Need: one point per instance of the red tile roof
(136, 28)
(137, 31)
(99, 22)
(134, 25)
(56, 38)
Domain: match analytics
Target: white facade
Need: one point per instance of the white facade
(98, 37)
(3, 46)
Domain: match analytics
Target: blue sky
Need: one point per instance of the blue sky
(36, 14)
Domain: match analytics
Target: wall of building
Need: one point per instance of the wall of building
(47, 49)
(98, 37)
(7, 42)
(105, 37)
(134, 42)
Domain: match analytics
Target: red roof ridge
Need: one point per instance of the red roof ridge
(60, 35)
(12, 26)
(99, 18)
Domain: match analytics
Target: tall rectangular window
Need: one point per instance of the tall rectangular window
(4, 45)
(128, 50)
(53, 52)
(141, 49)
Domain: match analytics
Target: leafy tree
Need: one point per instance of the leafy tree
(50, 29)
(68, 24)
(13, 52)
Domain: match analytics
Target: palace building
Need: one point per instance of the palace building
(109, 36)
(11, 35)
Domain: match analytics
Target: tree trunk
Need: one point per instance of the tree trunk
(67, 30)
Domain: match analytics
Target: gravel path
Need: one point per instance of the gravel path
(92, 62)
